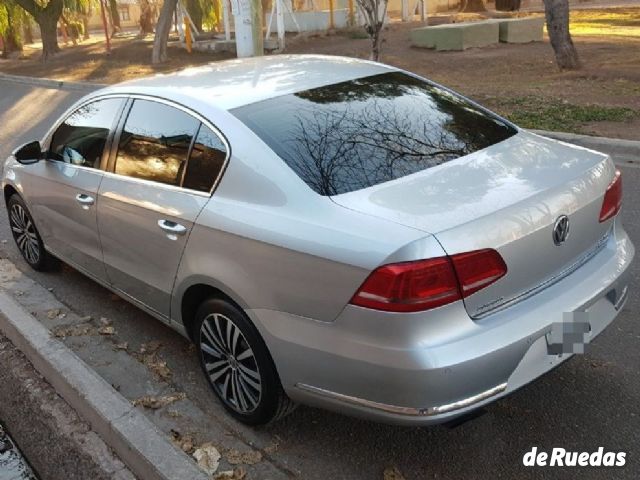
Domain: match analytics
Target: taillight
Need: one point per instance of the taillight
(477, 270)
(612, 198)
(426, 284)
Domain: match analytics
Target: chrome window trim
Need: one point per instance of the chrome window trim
(114, 148)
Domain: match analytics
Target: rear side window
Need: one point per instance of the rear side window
(352, 135)
(206, 161)
(163, 144)
(81, 138)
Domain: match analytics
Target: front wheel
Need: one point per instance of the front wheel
(26, 235)
(238, 365)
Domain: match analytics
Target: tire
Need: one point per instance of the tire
(237, 364)
(26, 236)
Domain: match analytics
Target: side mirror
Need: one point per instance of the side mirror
(28, 153)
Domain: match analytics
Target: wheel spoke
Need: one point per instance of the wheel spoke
(216, 365)
(248, 353)
(211, 336)
(249, 381)
(241, 395)
(253, 374)
(219, 373)
(211, 350)
(234, 341)
(220, 336)
(247, 391)
(229, 331)
(225, 386)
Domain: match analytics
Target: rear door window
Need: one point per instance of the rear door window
(359, 133)
(155, 141)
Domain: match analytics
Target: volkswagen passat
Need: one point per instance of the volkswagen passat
(330, 231)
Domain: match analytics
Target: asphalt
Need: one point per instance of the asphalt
(589, 402)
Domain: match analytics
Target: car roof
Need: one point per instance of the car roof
(234, 83)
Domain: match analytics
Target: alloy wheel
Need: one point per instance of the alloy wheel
(24, 232)
(230, 363)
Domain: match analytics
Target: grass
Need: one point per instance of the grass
(558, 115)
(620, 22)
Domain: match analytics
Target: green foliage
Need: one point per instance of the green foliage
(79, 6)
(209, 18)
(12, 18)
(4, 18)
(557, 115)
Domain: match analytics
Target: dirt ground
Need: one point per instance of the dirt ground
(519, 81)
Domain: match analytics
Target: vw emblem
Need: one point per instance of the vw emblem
(561, 230)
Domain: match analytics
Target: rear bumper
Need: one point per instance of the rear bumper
(419, 369)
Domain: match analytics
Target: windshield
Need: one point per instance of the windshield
(352, 135)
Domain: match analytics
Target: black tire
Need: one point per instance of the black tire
(27, 237)
(234, 367)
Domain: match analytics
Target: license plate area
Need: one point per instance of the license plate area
(569, 336)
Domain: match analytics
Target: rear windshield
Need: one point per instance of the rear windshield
(352, 135)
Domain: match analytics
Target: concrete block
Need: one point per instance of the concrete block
(521, 30)
(457, 36)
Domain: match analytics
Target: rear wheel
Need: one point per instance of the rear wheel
(238, 365)
(26, 235)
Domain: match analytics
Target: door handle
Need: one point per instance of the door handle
(85, 200)
(172, 228)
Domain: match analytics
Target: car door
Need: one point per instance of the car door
(160, 179)
(63, 189)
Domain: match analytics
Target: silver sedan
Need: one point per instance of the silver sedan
(331, 231)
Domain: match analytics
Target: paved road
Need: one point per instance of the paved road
(591, 401)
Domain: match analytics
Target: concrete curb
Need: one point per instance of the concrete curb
(137, 442)
(49, 83)
(55, 440)
(623, 151)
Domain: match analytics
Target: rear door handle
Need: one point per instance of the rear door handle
(172, 228)
(85, 200)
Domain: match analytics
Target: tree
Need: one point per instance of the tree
(115, 16)
(374, 12)
(11, 22)
(557, 15)
(508, 5)
(46, 16)
(468, 6)
(196, 12)
(159, 52)
(147, 12)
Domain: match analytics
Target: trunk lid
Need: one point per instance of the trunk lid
(507, 197)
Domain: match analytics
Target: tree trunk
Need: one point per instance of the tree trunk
(470, 6)
(49, 32)
(376, 42)
(85, 24)
(146, 18)
(12, 41)
(27, 30)
(47, 20)
(557, 14)
(115, 17)
(195, 12)
(159, 53)
(508, 5)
